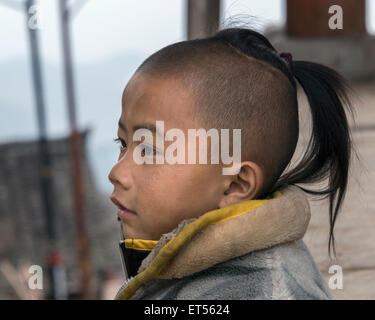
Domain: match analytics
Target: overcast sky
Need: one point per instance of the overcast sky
(107, 27)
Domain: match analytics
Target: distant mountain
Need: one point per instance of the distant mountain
(99, 87)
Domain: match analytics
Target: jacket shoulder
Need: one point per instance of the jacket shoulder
(284, 271)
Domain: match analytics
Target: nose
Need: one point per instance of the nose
(120, 173)
(111, 177)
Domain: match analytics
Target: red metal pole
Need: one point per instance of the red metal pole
(78, 188)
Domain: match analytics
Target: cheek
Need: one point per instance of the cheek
(202, 177)
(157, 188)
(168, 194)
(149, 180)
(163, 183)
(190, 189)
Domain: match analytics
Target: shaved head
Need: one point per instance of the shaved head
(232, 90)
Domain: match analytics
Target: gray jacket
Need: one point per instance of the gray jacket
(250, 250)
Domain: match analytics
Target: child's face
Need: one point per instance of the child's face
(161, 195)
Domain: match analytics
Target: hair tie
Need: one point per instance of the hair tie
(287, 56)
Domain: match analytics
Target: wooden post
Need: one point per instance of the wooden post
(76, 147)
(203, 18)
(309, 18)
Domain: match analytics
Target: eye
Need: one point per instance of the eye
(122, 143)
(150, 149)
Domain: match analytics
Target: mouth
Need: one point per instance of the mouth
(123, 212)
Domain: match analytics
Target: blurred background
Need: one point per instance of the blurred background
(63, 67)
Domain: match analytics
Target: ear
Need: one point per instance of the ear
(245, 185)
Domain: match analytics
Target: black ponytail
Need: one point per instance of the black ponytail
(329, 149)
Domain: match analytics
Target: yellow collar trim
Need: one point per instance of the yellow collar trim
(140, 244)
(169, 250)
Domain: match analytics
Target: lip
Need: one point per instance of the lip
(123, 212)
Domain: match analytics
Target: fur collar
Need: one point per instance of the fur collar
(223, 234)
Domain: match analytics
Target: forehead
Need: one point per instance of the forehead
(151, 98)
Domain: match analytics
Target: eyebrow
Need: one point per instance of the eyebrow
(148, 126)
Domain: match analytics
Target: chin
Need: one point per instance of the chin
(127, 232)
